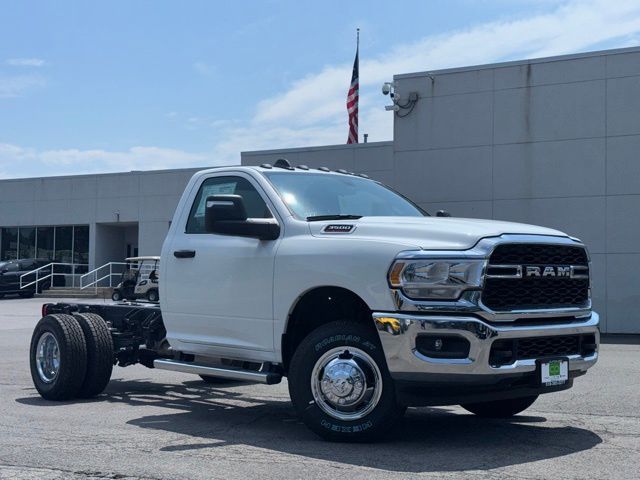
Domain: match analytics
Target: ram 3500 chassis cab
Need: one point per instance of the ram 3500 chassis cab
(364, 301)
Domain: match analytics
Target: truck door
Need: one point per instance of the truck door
(219, 290)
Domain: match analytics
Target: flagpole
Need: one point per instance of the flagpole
(353, 94)
(358, 57)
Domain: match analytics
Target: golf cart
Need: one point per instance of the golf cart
(139, 280)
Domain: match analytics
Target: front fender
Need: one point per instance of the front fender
(306, 263)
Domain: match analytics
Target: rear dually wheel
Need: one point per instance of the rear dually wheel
(100, 355)
(58, 357)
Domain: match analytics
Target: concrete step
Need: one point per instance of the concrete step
(64, 292)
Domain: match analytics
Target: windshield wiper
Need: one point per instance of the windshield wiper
(317, 218)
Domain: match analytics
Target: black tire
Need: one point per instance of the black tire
(72, 349)
(325, 339)
(99, 354)
(216, 380)
(152, 295)
(116, 296)
(500, 408)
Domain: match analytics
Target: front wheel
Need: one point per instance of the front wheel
(340, 385)
(500, 408)
(116, 296)
(152, 295)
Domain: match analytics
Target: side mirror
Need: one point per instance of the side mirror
(223, 208)
(226, 215)
(442, 213)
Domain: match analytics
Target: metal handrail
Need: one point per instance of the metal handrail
(52, 266)
(97, 280)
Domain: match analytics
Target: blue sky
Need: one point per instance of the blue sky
(122, 85)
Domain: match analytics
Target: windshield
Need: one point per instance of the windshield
(319, 195)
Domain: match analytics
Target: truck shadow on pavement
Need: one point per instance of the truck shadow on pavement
(427, 440)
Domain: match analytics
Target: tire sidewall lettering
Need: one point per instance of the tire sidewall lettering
(343, 339)
(346, 428)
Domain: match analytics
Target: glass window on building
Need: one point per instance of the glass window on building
(27, 245)
(8, 243)
(81, 247)
(64, 245)
(44, 247)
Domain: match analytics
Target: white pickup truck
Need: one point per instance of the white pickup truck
(366, 303)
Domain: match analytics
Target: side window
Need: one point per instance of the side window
(253, 202)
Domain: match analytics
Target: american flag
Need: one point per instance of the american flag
(352, 101)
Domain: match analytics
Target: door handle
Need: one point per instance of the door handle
(184, 253)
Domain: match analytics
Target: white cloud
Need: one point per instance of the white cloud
(312, 110)
(26, 62)
(17, 161)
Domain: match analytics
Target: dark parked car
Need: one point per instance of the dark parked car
(11, 270)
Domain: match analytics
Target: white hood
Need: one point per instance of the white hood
(429, 233)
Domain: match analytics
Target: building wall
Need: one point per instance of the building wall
(551, 142)
(114, 206)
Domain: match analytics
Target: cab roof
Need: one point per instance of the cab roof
(283, 165)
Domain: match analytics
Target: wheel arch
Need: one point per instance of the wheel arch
(318, 306)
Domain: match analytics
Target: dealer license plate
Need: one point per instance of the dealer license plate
(554, 372)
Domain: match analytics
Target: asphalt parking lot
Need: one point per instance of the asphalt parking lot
(163, 425)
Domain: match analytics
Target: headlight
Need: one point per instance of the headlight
(436, 279)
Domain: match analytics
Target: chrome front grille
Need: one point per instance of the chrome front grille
(536, 276)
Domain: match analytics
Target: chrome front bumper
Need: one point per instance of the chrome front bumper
(398, 334)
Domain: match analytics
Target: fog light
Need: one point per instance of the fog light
(443, 346)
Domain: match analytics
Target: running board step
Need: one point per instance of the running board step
(269, 378)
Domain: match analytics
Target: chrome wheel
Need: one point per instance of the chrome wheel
(346, 383)
(47, 357)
